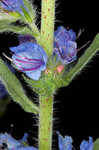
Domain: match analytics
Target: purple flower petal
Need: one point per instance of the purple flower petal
(64, 143)
(67, 34)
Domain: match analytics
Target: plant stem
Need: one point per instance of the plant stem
(46, 103)
(45, 123)
(47, 25)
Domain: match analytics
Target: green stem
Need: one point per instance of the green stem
(47, 25)
(45, 123)
(46, 103)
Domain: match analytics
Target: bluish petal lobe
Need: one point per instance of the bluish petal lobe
(64, 143)
(72, 35)
(87, 145)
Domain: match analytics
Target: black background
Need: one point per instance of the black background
(76, 106)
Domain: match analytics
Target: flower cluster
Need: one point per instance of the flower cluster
(30, 58)
(66, 143)
(13, 6)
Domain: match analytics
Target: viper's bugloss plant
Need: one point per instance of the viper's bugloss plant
(47, 60)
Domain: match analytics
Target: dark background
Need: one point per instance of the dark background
(76, 106)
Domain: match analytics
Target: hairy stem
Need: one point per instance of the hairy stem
(47, 25)
(46, 103)
(45, 123)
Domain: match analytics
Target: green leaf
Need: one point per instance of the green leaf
(27, 16)
(19, 30)
(96, 145)
(5, 26)
(31, 9)
(8, 17)
(15, 29)
(15, 89)
(6, 21)
(83, 61)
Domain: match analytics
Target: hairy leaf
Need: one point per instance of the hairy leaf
(15, 89)
(10, 18)
(83, 61)
(32, 10)
(15, 29)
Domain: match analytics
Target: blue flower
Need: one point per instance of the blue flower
(65, 46)
(87, 145)
(13, 144)
(64, 143)
(30, 58)
(10, 141)
(13, 5)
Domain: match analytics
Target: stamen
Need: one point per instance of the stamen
(73, 147)
(79, 33)
(7, 57)
(83, 46)
(63, 57)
